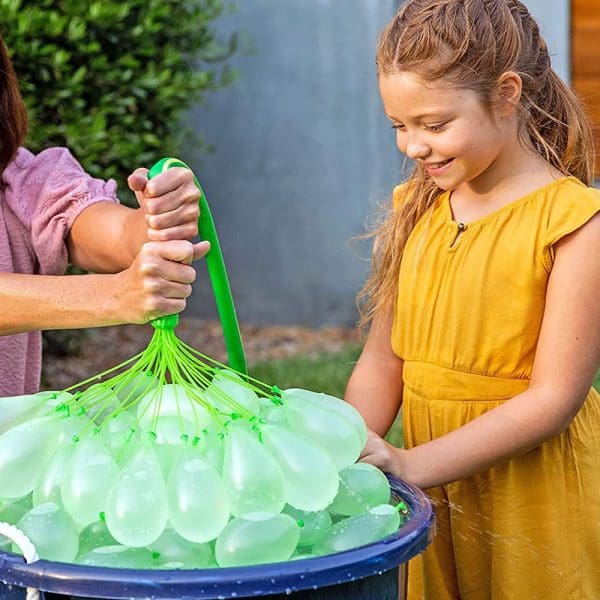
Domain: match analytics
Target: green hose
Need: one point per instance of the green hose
(217, 274)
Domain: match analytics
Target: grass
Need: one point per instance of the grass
(327, 373)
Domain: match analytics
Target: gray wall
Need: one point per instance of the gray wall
(303, 151)
(554, 19)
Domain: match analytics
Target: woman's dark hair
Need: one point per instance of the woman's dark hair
(13, 117)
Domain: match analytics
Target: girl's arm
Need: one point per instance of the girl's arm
(375, 386)
(567, 357)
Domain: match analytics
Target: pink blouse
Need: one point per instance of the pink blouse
(40, 198)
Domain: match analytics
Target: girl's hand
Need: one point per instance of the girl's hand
(388, 458)
(158, 281)
(169, 201)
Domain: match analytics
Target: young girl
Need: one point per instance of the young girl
(52, 213)
(484, 306)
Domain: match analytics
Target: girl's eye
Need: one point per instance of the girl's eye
(398, 127)
(435, 127)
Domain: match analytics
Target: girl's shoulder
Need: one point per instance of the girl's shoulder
(567, 200)
(563, 209)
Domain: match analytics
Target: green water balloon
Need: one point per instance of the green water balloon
(17, 409)
(170, 549)
(258, 538)
(100, 402)
(359, 530)
(311, 476)
(172, 400)
(11, 511)
(300, 396)
(199, 507)
(272, 412)
(328, 428)
(227, 384)
(301, 555)
(72, 427)
(130, 390)
(118, 557)
(88, 476)
(136, 508)
(314, 526)
(48, 485)
(117, 431)
(52, 531)
(212, 448)
(253, 478)
(95, 535)
(169, 429)
(24, 451)
(362, 486)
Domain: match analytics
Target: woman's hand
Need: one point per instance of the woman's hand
(169, 201)
(386, 457)
(158, 281)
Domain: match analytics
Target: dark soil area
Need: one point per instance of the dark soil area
(105, 347)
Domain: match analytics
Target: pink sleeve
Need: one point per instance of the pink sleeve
(50, 189)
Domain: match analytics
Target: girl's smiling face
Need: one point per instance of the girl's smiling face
(448, 131)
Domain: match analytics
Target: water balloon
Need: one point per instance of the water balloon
(24, 452)
(88, 476)
(199, 506)
(362, 486)
(258, 538)
(311, 476)
(136, 508)
(254, 479)
(52, 531)
(359, 530)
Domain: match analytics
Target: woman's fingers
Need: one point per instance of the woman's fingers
(158, 282)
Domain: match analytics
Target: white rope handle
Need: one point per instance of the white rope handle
(27, 549)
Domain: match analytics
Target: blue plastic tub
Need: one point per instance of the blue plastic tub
(371, 572)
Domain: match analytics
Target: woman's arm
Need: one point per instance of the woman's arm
(567, 357)
(155, 284)
(375, 386)
(106, 237)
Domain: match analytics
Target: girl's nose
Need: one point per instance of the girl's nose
(415, 149)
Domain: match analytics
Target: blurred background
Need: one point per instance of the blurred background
(303, 152)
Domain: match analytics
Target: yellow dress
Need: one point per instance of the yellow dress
(466, 324)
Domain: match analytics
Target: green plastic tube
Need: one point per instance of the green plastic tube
(216, 272)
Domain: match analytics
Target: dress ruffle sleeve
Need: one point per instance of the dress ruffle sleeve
(48, 191)
(567, 213)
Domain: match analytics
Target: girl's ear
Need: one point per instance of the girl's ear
(508, 93)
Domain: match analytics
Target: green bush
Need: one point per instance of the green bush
(110, 79)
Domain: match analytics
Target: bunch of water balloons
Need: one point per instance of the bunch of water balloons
(172, 460)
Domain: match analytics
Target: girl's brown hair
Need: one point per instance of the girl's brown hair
(470, 43)
(13, 118)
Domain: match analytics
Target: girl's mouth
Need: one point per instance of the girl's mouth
(437, 168)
